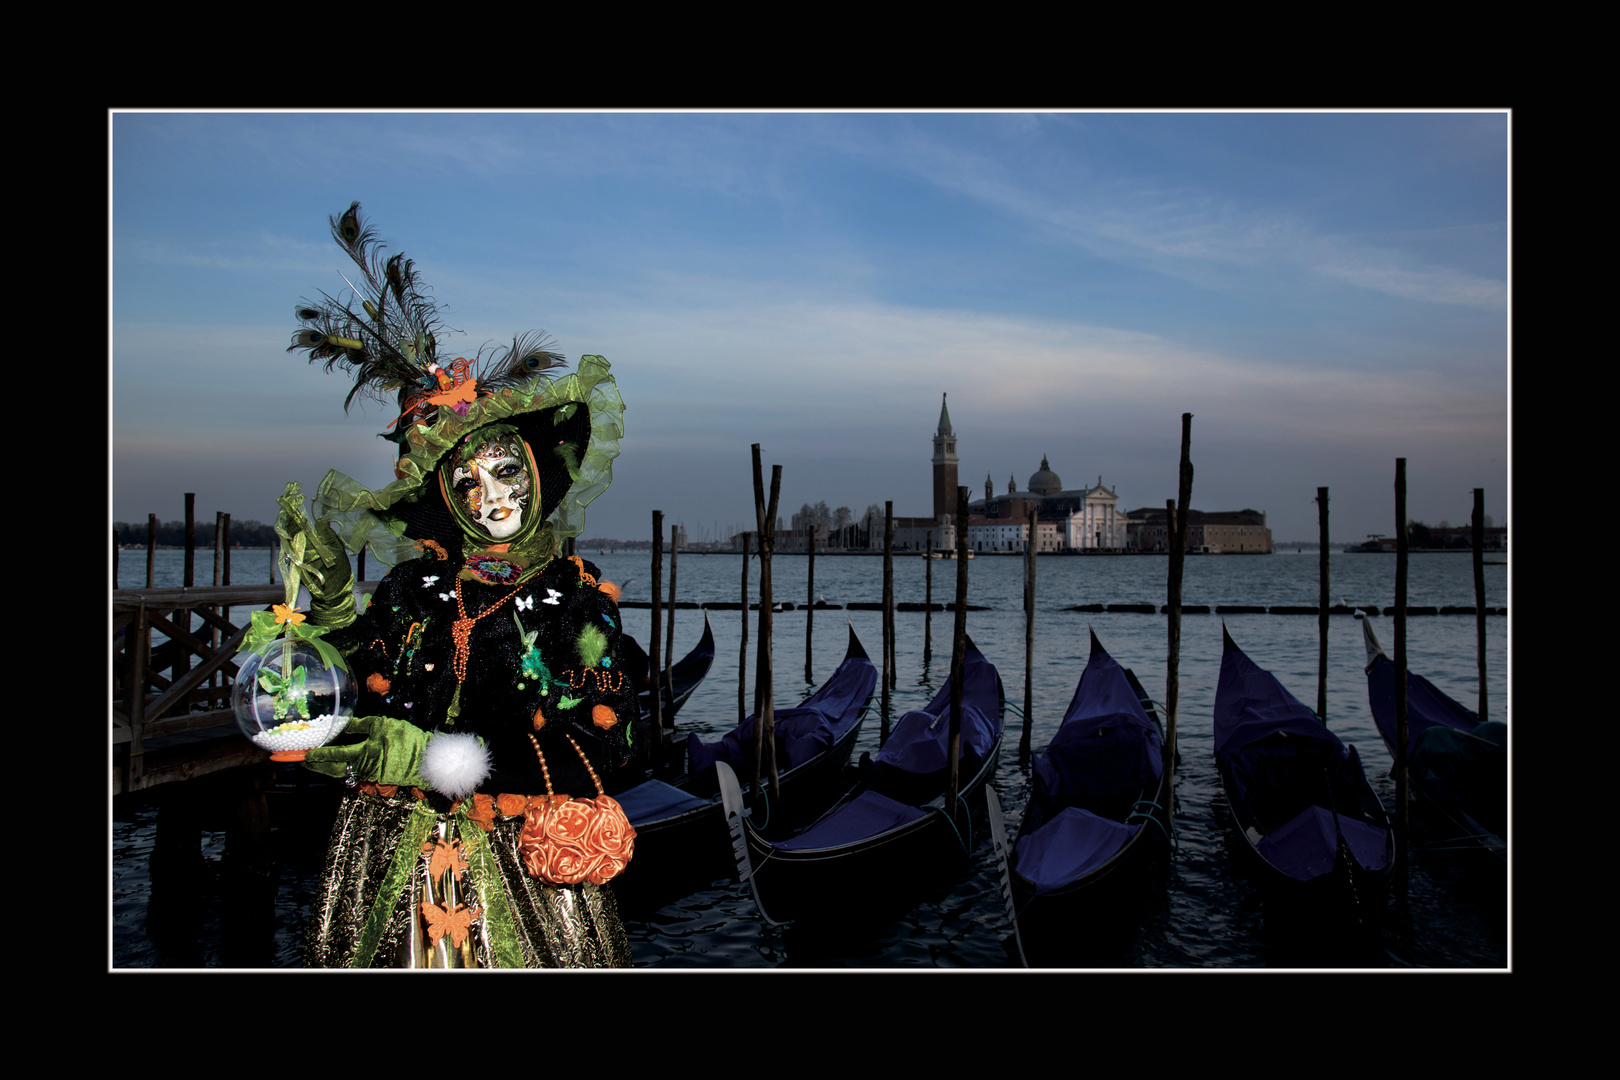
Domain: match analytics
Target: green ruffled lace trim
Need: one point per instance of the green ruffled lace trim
(362, 516)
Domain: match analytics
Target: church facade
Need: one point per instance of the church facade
(1086, 518)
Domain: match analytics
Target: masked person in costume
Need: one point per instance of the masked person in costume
(493, 699)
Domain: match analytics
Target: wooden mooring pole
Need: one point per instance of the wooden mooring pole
(810, 608)
(889, 665)
(1029, 633)
(1176, 525)
(953, 752)
(151, 546)
(1401, 815)
(764, 682)
(656, 732)
(669, 635)
(888, 617)
(1322, 603)
(1478, 531)
(928, 600)
(742, 658)
(182, 616)
(191, 539)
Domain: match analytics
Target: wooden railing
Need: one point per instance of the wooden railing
(171, 709)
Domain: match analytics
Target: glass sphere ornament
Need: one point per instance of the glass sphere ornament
(288, 700)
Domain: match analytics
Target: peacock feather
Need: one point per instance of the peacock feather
(385, 333)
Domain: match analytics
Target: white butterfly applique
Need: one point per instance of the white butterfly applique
(524, 603)
(447, 595)
(553, 597)
(430, 580)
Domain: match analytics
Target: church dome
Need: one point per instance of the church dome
(1044, 482)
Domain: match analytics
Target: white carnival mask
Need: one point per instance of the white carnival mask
(493, 485)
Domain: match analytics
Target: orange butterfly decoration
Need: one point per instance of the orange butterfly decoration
(445, 855)
(457, 924)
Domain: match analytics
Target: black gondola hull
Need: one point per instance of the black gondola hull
(877, 878)
(1087, 921)
(682, 843)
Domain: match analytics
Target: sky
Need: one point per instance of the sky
(1324, 292)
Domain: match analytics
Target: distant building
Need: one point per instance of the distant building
(1217, 532)
(1081, 519)
(918, 533)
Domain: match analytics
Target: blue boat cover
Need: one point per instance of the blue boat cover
(1426, 706)
(1250, 704)
(1462, 762)
(867, 815)
(916, 745)
(1307, 846)
(1072, 844)
(1107, 748)
(802, 732)
(920, 741)
(654, 800)
(1281, 762)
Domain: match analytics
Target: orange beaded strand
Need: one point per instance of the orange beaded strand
(461, 629)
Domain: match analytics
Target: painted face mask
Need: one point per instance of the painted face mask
(491, 484)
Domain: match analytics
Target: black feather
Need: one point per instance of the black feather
(389, 348)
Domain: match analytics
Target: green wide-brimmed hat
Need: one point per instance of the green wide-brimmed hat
(386, 335)
(571, 423)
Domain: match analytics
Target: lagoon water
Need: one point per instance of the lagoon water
(1205, 910)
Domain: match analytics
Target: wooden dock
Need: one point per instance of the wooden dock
(171, 708)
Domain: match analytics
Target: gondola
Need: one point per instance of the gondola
(1298, 796)
(681, 838)
(1098, 811)
(1457, 765)
(890, 837)
(679, 681)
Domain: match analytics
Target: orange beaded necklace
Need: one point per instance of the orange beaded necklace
(461, 629)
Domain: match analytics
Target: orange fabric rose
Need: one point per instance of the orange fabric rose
(560, 865)
(566, 841)
(376, 683)
(569, 821)
(603, 717)
(511, 805)
(612, 837)
(483, 812)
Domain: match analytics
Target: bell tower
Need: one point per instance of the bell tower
(944, 464)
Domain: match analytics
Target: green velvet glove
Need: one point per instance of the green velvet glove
(317, 560)
(391, 754)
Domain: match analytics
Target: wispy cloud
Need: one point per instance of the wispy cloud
(1182, 230)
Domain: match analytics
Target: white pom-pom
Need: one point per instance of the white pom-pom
(455, 764)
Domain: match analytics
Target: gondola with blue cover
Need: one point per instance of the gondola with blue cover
(1099, 809)
(890, 837)
(1457, 765)
(681, 838)
(678, 682)
(1299, 797)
